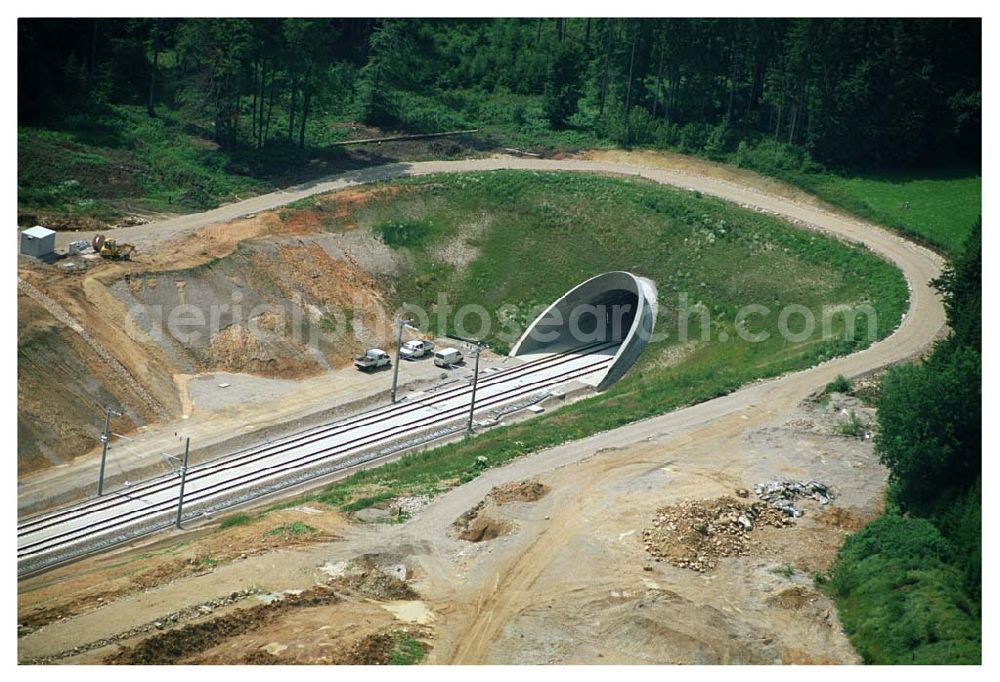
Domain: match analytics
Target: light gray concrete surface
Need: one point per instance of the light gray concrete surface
(615, 306)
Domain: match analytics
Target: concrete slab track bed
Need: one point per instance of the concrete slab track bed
(151, 505)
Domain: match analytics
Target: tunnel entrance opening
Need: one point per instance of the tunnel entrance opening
(608, 318)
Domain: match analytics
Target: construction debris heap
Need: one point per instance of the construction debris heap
(782, 495)
(696, 534)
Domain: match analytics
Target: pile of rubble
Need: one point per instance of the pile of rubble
(132, 221)
(782, 495)
(377, 576)
(696, 534)
(80, 247)
(519, 491)
(408, 506)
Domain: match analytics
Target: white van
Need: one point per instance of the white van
(447, 357)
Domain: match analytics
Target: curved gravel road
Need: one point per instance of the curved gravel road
(919, 265)
(586, 475)
(923, 322)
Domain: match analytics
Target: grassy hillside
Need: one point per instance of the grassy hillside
(902, 598)
(123, 162)
(936, 207)
(533, 235)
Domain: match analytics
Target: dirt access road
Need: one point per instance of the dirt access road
(919, 265)
(570, 581)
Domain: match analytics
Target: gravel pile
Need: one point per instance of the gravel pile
(408, 506)
(695, 534)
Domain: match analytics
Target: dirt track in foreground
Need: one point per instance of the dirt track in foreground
(570, 582)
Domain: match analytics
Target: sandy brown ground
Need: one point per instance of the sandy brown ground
(566, 580)
(569, 580)
(694, 166)
(574, 584)
(344, 618)
(80, 335)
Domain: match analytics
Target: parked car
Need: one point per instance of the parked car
(411, 350)
(372, 359)
(446, 357)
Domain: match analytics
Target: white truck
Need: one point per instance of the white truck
(411, 350)
(372, 359)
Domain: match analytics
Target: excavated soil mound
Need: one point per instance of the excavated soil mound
(371, 650)
(521, 491)
(696, 534)
(174, 645)
(379, 585)
(483, 522)
(484, 528)
(793, 598)
(478, 525)
(376, 576)
(72, 595)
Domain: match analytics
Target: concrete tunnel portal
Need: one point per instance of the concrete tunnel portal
(610, 315)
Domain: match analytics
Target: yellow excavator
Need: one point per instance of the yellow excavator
(111, 249)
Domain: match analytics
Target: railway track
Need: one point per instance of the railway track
(307, 435)
(58, 536)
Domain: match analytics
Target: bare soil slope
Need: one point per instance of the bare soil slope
(99, 335)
